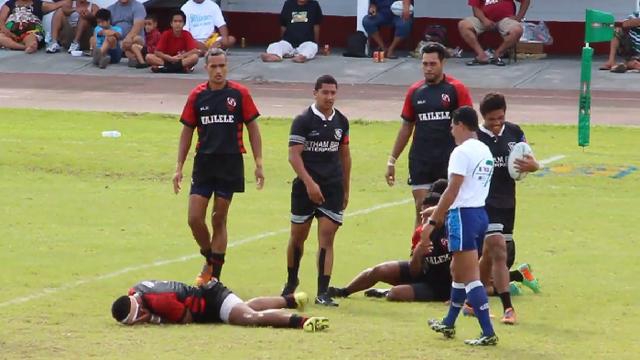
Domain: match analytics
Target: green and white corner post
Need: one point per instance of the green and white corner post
(599, 27)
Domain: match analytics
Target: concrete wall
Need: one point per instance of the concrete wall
(548, 10)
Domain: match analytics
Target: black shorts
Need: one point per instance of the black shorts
(501, 221)
(303, 209)
(214, 294)
(423, 289)
(423, 173)
(222, 174)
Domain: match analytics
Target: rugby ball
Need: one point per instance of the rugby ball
(396, 8)
(518, 151)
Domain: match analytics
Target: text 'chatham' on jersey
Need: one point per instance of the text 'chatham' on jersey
(429, 107)
(219, 116)
(502, 193)
(321, 140)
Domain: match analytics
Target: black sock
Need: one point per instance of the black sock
(217, 260)
(292, 272)
(515, 275)
(291, 301)
(296, 321)
(323, 280)
(323, 283)
(207, 255)
(505, 297)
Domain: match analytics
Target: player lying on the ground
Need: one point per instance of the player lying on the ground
(160, 302)
(427, 279)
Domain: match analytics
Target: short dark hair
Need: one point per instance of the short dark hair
(439, 186)
(214, 51)
(434, 47)
(179, 13)
(325, 79)
(103, 14)
(431, 199)
(120, 308)
(151, 17)
(491, 102)
(467, 116)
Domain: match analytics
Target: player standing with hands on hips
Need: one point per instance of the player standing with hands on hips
(319, 155)
(469, 173)
(219, 109)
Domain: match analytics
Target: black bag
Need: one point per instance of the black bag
(436, 33)
(356, 44)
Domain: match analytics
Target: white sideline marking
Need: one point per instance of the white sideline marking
(48, 291)
(552, 159)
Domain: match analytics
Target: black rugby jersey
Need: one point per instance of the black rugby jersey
(321, 139)
(502, 192)
(430, 107)
(436, 264)
(219, 116)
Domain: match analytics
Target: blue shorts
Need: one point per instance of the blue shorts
(466, 228)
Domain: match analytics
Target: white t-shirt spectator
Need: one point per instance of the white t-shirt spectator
(473, 160)
(202, 19)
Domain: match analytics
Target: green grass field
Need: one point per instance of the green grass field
(85, 217)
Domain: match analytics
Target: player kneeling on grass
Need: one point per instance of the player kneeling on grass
(160, 302)
(425, 278)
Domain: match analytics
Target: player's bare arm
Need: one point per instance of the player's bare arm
(256, 148)
(183, 149)
(528, 164)
(447, 198)
(345, 160)
(401, 142)
(295, 159)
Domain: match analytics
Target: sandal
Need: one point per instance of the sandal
(497, 61)
(476, 62)
(605, 67)
(619, 69)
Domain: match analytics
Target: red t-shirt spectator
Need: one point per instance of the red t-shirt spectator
(172, 45)
(495, 10)
(151, 40)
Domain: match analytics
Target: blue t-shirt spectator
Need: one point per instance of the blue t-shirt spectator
(100, 38)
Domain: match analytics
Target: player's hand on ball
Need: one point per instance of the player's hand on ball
(315, 194)
(259, 173)
(177, 180)
(527, 164)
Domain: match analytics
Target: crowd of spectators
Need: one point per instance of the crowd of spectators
(128, 31)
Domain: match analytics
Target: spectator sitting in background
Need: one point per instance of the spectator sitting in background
(625, 43)
(379, 15)
(151, 38)
(499, 15)
(107, 37)
(129, 15)
(299, 30)
(80, 17)
(21, 23)
(203, 18)
(177, 51)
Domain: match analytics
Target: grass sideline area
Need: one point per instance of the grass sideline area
(85, 217)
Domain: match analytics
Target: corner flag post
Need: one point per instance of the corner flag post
(599, 27)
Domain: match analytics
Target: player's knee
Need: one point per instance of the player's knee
(219, 219)
(463, 25)
(195, 221)
(373, 272)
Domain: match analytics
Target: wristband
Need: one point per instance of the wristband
(391, 161)
(430, 221)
